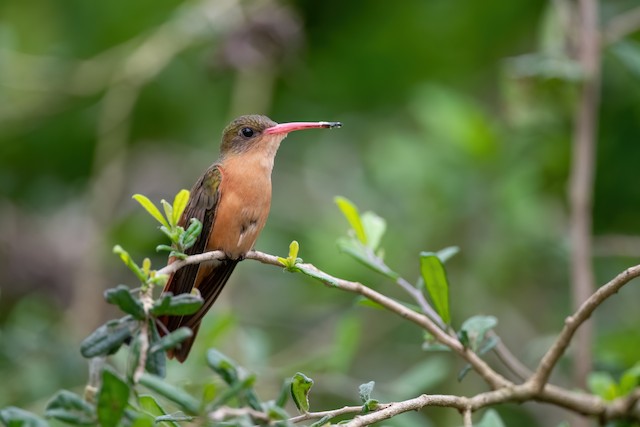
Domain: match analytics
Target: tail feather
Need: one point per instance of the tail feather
(210, 288)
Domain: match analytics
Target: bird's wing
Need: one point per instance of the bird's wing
(202, 205)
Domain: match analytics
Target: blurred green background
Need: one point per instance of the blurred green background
(457, 129)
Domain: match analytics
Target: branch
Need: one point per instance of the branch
(536, 388)
(572, 323)
(328, 414)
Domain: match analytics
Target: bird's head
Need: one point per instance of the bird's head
(254, 131)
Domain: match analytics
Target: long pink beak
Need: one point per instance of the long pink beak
(290, 127)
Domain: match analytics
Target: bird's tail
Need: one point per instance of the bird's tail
(209, 288)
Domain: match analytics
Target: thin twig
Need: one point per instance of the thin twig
(330, 414)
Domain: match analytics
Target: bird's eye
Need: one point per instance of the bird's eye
(247, 132)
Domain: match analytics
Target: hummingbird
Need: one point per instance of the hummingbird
(232, 201)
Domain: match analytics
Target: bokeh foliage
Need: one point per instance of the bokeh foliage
(457, 131)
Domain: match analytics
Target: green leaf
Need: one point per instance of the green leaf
(178, 396)
(283, 397)
(70, 408)
(150, 405)
(108, 338)
(190, 236)
(435, 280)
(366, 302)
(475, 329)
(121, 296)
(223, 366)
(447, 253)
(176, 305)
(603, 385)
(151, 208)
(300, 387)
(370, 405)
(171, 340)
(16, 417)
(124, 256)
(350, 211)
(290, 262)
(168, 212)
(630, 379)
(322, 422)
(179, 204)
(365, 390)
(490, 418)
(112, 399)
(157, 360)
(374, 227)
(365, 255)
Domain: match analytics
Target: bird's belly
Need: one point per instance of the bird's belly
(239, 220)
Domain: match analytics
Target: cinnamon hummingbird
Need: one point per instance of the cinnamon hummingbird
(232, 200)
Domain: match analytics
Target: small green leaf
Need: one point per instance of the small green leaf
(300, 387)
(151, 208)
(126, 258)
(168, 212)
(223, 366)
(630, 379)
(121, 296)
(171, 340)
(70, 408)
(290, 262)
(176, 305)
(370, 405)
(112, 399)
(374, 227)
(490, 419)
(108, 338)
(350, 211)
(603, 385)
(16, 417)
(366, 302)
(322, 422)
(294, 248)
(365, 390)
(435, 280)
(190, 236)
(447, 253)
(178, 396)
(365, 255)
(179, 204)
(474, 329)
(150, 406)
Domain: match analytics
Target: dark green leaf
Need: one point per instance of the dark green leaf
(16, 417)
(435, 280)
(178, 396)
(122, 297)
(171, 340)
(321, 422)
(300, 387)
(223, 366)
(176, 305)
(365, 390)
(166, 248)
(70, 408)
(157, 360)
(189, 237)
(112, 399)
(108, 338)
